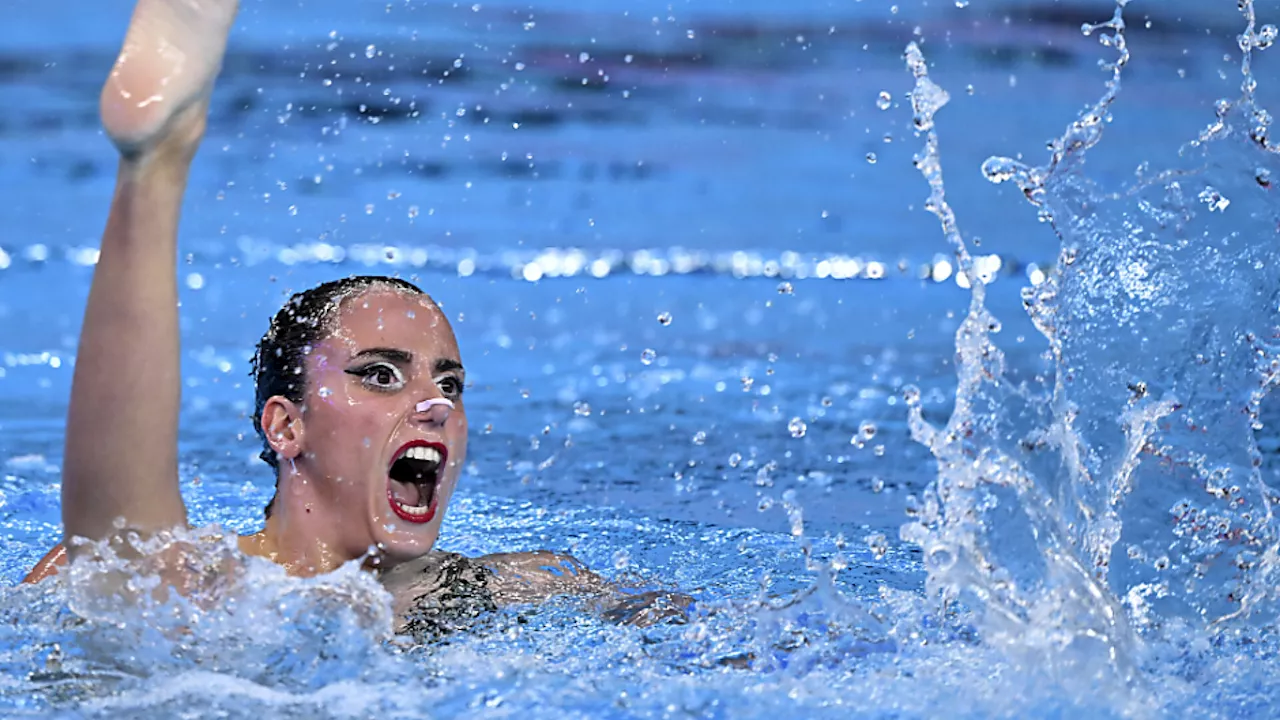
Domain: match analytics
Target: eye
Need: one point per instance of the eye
(381, 376)
(450, 386)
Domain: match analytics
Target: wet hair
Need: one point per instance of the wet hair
(279, 363)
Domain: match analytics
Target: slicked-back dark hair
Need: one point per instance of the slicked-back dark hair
(279, 364)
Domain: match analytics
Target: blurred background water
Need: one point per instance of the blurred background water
(689, 264)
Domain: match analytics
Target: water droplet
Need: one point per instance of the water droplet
(524, 393)
(797, 427)
(878, 544)
(664, 318)
(1266, 37)
(911, 394)
(871, 158)
(940, 558)
(371, 51)
(867, 430)
(648, 356)
(884, 101)
(325, 392)
(1214, 199)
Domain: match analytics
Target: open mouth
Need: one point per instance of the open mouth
(413, 479)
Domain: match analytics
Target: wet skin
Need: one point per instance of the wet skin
(388, 352)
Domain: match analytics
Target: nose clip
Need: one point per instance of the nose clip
(426, 405)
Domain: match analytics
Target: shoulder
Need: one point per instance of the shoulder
(533, 576)
(438, 594)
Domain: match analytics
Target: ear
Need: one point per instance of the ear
(283, 426)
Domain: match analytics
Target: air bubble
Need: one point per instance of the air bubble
(735, 460)
(700, 438)
(884, 101)
(648, 355)
(785, 288)
(871, 158)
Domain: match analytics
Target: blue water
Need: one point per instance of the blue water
(559, 178)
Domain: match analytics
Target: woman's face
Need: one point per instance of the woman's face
(386, 464)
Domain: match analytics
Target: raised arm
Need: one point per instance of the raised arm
(122, 425)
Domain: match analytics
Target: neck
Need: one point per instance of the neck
(303, 532)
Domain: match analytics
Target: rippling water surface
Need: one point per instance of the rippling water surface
(712, 333)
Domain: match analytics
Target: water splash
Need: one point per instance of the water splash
(1120, 501)
(109, 632)
(1036, 606)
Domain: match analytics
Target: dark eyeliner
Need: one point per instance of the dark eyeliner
(459, 386)
(365, 372)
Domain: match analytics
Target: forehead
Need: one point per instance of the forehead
(387, 318)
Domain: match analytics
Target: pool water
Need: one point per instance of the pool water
(688, 257)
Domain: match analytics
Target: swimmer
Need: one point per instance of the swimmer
(359, 381)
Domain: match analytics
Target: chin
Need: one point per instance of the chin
(403, 545)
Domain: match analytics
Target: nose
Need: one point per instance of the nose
(435, 410)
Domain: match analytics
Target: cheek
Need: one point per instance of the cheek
(347, 426)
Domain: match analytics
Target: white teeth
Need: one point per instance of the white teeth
(420, 452)
(413, 510)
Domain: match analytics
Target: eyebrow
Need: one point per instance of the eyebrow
(404, 357)
(401, 357)
(448, 364)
